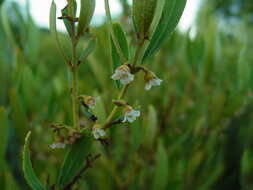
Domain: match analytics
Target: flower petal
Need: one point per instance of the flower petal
(115, 76)
(101, 132)
(148, 86)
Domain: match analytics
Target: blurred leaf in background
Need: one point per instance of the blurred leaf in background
(195, 131)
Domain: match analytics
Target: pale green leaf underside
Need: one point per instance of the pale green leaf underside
(86, 13)
(53, 28)
(29, 174)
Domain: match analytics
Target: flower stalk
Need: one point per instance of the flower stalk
(124, 89)
(74, 91)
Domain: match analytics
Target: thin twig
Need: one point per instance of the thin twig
(116, 122)
(89, 161)
(104, 142)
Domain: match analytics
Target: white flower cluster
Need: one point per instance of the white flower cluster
(123, 73)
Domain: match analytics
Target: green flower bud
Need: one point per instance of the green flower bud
(86, 13)
(143, 14)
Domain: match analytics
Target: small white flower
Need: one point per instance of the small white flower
(123, 74)
(58, 145)
(98, 132)
(151, 80)
(130, 114)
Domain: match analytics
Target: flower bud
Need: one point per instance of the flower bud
(143, 14)
(89, 101)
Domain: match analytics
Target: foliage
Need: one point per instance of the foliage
(195, 131)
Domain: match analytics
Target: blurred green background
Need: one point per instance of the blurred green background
(195, 131)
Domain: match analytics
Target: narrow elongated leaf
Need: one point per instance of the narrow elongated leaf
(162, 167)
(66, 11)
(143, 14)
(18, 115)
(29, 174)
(115, 62)
(74, 159)
(6, 25)
(151, 127)
(122, 39)
(172, 13)
(86, 13)
(3, 137)
(72, 7)
(88, 50)
(244, 71)
(53, 29)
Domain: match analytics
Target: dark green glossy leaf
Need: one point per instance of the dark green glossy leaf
(143, 14)
(29, 174)
(122, 39)
(172, 13)
(74, 159)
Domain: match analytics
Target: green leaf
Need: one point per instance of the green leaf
(244, 70)
(122, 39)
(143, 14)
(66, 12)
(151, 127)
(86, 13)
(6, 25)
(29, 174)
(72, 7)
(89, 49)
(53, 28)
(74, 159)
(162, 167)
(172, 13)
(18, 115)
(10, 182)
(3, 137)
